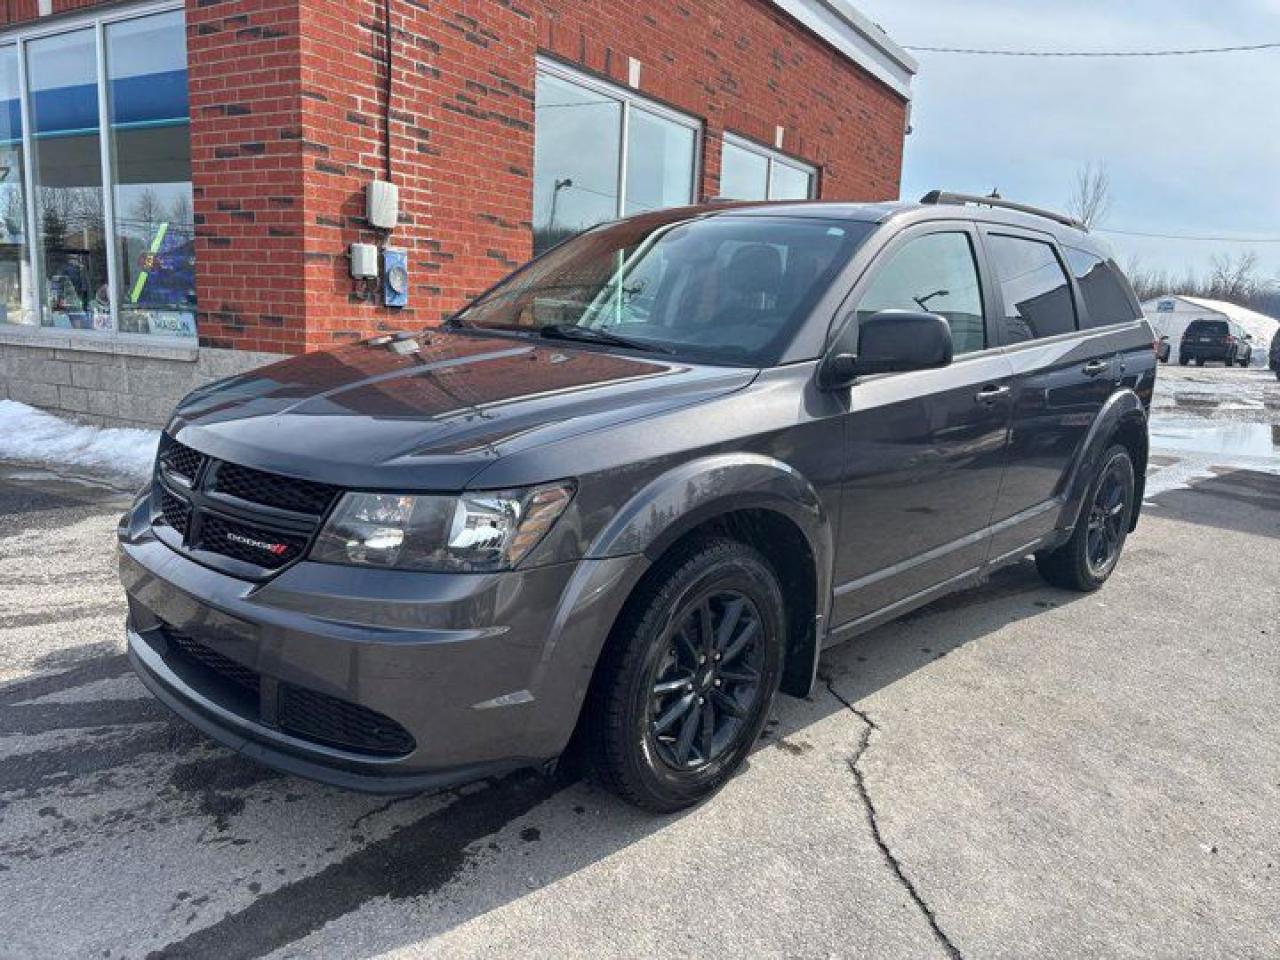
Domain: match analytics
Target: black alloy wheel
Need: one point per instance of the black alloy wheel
(1090, 556)
(1108, 521)
(709, 681)
(688, 674)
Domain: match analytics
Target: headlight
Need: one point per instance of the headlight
(471, 532)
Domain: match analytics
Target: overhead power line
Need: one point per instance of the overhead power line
(1185, 236)
(1187, 52)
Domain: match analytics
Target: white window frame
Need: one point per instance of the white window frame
(18, 38)
(629, 100)
(775, 157)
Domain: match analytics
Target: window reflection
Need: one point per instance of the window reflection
(67, 163)
(789, 183)
(151, 164)
(576, 147)
(659, 163)
(16, 304)
(743, 175)
(578, 155)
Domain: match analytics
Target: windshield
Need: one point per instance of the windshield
(720, 289)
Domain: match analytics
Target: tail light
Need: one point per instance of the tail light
(1155, 347)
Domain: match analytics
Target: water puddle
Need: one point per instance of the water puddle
(1216, 436)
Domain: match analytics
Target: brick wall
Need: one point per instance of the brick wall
(462, 128)
(286, 106)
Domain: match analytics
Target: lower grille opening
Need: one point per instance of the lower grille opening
(320, 717)
(302, 713)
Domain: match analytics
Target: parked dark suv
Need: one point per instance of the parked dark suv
(635, 489)
(1218, 340)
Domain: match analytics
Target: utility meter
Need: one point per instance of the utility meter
(395, 277)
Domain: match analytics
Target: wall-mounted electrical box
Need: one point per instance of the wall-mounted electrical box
(395, 277)
(382, 204)
(364, 261)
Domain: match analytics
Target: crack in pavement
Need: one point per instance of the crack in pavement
(869, 726)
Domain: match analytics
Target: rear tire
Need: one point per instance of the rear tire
(1199, 363)
(1085, 561)
(1183, 362)
(669, 729)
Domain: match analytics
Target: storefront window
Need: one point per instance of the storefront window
(151, 175)
(600, 152)
(573, 186)
(16, 305)
(743, 175)
(66, 159)
(659, 163)
(750, 172)
(98, 235)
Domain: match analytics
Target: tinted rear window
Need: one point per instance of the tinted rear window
(1207, 328)
(1105, 292)
(1036, 292)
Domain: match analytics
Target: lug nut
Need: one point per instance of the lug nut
(717, 683)
(688, 687)
(701, 701)
(702, 659)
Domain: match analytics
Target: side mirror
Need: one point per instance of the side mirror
(891, 341)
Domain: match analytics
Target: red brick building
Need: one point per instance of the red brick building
(182, 183)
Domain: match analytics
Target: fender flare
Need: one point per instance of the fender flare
(692, 493)
(1122, 408)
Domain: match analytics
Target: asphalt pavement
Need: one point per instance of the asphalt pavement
(1014, 771)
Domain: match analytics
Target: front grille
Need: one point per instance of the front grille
(320, 717)
(196, 652)
(273, 490)
(179, 459)
(255, 545)
(237, 512)
(175, 512)
(298, 711)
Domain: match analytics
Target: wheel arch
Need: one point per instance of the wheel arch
(758, 500)
(1123, 420)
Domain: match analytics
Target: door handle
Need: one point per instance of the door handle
(1095, 367)
(990, 394)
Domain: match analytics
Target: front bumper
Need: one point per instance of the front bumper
(473, 674)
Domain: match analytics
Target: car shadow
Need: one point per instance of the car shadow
(1241, 500)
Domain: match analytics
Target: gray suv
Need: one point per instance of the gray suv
(634, 489)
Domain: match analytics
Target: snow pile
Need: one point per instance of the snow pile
(33, 436)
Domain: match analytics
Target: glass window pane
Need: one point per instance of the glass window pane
(936, 273)
(67, 163)
(1037, 296)
(575, 166)
(790, 183)
(151, 166)
(659, 163)
(1105, 293)
(16, 302)
(743, 175)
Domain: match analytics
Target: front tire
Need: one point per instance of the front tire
(688, 676)
(1085, 561)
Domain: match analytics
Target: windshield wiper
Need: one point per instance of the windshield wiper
(569, 331)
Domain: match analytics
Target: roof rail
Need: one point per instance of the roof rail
(942, 196)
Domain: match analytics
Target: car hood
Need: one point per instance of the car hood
(431, 411)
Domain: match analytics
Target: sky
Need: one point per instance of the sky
(1191, 144)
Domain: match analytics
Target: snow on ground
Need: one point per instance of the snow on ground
(33, 436)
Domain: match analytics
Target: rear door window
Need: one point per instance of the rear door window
(1103, 289)
(936, 273)
(1036, 291)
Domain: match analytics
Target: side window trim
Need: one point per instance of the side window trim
(997, 311)
(843, 319)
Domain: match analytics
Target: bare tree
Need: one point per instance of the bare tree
(1233, 277)
(1090, 198)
